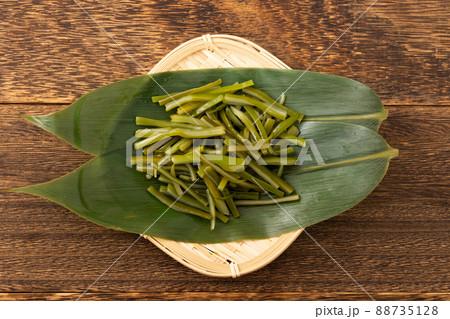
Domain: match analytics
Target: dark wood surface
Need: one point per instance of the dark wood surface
(395, 243)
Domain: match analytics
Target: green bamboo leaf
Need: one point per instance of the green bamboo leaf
(108, 193)
(103, 119)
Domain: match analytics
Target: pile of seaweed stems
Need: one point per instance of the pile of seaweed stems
(211, 182)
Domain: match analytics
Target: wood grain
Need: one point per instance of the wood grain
(224, 296)
(52, 52)
(395, 242)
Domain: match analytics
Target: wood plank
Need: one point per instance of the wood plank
(54, 53)
(223, 296)
(394, 242)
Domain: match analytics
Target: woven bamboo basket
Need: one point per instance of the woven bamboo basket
(231, 259)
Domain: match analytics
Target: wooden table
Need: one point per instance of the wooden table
(394, 243)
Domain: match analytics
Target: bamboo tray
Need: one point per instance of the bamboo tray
(231, 259)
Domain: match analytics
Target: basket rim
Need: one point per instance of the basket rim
(177, 250)
(204, 40)
(254, 264)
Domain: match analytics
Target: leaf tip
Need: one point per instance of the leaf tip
(33, 189)
(32, 119)
(393, 152)
(396, 152)
(384, 114)
(16, 190)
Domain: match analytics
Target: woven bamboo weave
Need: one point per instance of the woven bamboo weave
(231, 259)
